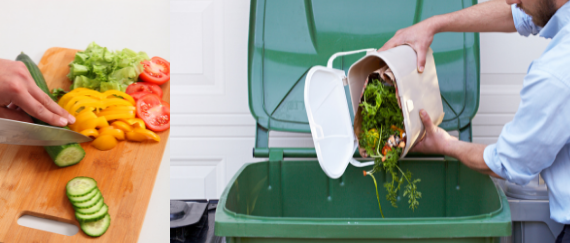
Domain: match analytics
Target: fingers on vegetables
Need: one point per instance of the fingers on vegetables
(65, 155)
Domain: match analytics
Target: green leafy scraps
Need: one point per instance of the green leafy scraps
(58, 92)
(380, 112)
(377, 195)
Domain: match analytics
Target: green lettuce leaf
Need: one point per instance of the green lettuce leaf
(100, 69)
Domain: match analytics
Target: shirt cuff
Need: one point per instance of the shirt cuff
(492, 160)
(523, 22)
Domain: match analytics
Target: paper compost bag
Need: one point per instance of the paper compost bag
(414, 90)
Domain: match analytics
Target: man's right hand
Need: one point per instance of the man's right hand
(19, 95)
(490, 16)
(418, 36)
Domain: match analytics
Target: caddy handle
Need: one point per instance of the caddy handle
(331, 59)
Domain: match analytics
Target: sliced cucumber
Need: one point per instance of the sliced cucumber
(80, 186)
(89, 203)
(66, 155)
(84, 198)
(95, 208)
(96, 228)
(90, 208)
(92, 217)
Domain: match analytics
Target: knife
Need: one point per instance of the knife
(23, 133)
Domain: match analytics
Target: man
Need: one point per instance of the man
(538, 138)
(19, 95)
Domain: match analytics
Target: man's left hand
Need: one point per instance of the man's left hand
(435, 141)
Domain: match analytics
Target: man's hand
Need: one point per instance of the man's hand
(19, 95)
(418, 36)
(438, 141)
(435, 141)
(490, 16)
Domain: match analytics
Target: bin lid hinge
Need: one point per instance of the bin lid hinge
(275, 155)
(345, 81)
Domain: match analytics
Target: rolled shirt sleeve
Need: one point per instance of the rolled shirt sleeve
(523, 22)
(540, 128)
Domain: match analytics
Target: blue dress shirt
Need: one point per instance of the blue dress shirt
(537, 140)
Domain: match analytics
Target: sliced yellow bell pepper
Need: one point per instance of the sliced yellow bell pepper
(101, 123)
(122, 125)
(140, 134)
(109, 116)
(93, 110)
(74, 97)
(135, 122)
(115, 101)
(85, 115)
(114, 93)
(90, 133)
(92, 124)
(115, 112)
(77, 92)
(120, 108)
(83, 102)
(104, 142)
(110, 130)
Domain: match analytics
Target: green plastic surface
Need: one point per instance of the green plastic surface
(288, 37)
(295, 201)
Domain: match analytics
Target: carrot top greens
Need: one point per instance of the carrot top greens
(383, 139)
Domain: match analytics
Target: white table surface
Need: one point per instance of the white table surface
(33, 26)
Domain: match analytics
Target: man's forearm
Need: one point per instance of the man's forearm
(491, 16)
(470, 154)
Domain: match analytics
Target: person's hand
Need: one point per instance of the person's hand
(418, 36)
(435, 141)
(19, 95)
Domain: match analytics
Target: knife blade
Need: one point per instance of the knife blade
(23, 133)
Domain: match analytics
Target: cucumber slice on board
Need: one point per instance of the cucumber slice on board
(84, 198)
(89, 203)
(92, 217)
(66, 155)
(96, 228)
(80, 186)
(95, 208)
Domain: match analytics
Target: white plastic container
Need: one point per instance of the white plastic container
(329, 115)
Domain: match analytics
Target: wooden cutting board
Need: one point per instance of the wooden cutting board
(30, 183)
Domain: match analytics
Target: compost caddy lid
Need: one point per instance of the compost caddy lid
(329, 117)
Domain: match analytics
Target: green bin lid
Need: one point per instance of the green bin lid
(288, 37)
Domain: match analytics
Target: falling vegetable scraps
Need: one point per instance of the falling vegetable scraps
(383, 138)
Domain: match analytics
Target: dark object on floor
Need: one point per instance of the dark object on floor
(564, 236)
(193, 222)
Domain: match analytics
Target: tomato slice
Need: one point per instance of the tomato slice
(138, 95)
(164, 103)
(155, 115)
(385, 149)
(143, 88)
(156, 71)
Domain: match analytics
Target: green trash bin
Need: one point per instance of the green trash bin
(282, 200)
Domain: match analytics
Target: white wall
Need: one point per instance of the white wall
(504, 61)
(213, 131)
